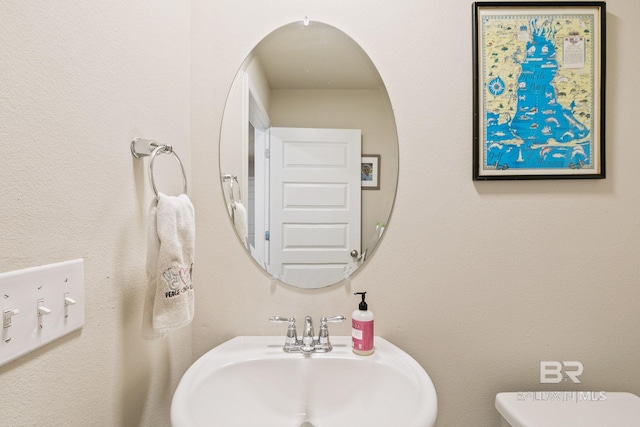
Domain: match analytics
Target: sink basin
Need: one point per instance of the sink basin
(249, 381)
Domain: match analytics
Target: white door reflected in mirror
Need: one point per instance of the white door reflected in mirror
(314, 204)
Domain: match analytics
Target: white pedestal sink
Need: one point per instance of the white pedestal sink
(251, 382)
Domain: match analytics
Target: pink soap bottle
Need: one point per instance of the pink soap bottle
(362, 329)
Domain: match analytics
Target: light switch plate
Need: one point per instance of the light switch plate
(44, 287)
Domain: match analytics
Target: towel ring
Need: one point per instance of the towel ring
(230, 179)
(168, 150)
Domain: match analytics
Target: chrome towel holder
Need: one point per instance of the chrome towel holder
(147, 147)
(230, 178)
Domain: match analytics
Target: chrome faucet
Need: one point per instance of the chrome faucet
(308, 341)
(308, 344)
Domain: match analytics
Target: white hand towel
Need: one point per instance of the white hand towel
(169, 301)
(240, 221)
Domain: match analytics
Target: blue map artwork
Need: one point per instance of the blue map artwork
(542, 131)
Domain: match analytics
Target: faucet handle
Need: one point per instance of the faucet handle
(291, 340)
(323, 344)
(280, 319)
(325, 320)
(334, 319)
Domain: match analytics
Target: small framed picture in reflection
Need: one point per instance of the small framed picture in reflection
(370, 172)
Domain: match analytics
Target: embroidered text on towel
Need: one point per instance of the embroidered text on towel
(179, 282)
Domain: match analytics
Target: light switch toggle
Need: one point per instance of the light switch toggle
(68, 300)
(42, 310)
(7, 315)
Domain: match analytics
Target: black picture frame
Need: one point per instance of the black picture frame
(539, 90)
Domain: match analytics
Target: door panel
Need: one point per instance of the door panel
(315, 203)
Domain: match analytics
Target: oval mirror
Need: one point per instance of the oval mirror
(309, 155)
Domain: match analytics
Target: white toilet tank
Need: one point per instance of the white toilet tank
(568, 409)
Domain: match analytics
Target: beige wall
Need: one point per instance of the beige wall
(477, 281)
(78, 81)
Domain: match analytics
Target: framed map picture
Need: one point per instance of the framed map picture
(539, 90)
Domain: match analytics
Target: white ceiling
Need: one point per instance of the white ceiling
(315, 57)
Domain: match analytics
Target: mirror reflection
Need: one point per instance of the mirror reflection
(309, 155)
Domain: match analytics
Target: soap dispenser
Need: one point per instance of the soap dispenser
(362, 328)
